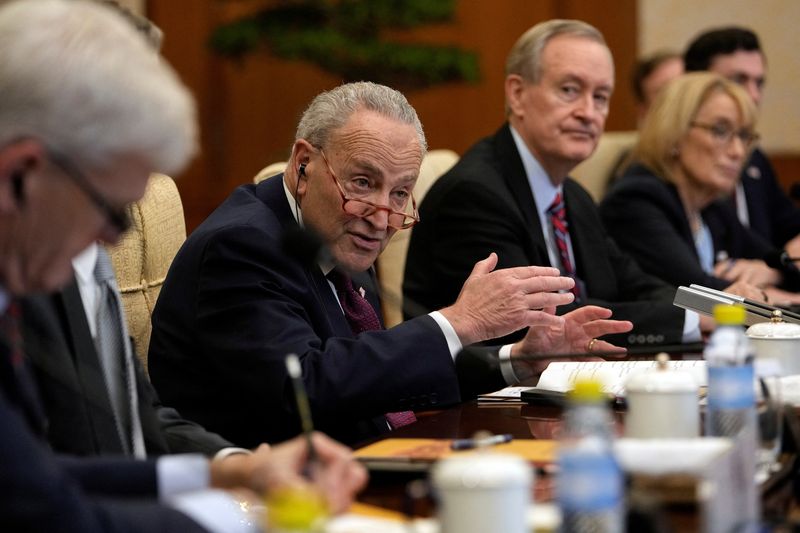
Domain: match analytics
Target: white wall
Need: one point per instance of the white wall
(673, 23)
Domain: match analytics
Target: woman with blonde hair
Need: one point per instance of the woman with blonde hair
(671, 211)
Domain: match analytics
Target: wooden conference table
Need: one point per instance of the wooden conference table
(388, 489)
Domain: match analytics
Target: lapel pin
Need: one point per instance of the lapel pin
(362, 292)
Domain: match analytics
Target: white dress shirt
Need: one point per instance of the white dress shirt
(544, 192)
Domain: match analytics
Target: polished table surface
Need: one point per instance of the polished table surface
(463, 421)
(523, 422)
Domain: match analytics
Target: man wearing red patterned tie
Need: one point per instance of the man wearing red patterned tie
(235, 303)
(511, 194)
(67, 173)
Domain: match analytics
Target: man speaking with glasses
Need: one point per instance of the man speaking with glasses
(235, 303)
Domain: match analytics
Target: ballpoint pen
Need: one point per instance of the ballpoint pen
(468, 444)
(303, 408)
(293, 507)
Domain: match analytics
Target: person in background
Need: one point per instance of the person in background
(235, 301)
(665, 210)
(650, 74)
(761, 204)
(510, 194)
(78, 140)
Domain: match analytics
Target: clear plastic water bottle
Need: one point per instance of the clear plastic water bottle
(590, 482)
(731, 410)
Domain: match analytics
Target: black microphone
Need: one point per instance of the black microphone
(17, 187)
(780, 260)
(305, 246)
(309, 248)
(794, 191)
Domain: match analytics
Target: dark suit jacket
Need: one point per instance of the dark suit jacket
(644, 214)
(40, 492)
(485, 204)
(234, 304)
(73, 389)
(772, 214)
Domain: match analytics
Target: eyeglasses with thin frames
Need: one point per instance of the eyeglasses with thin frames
(724, 133)
(117, 217)
(364, 208)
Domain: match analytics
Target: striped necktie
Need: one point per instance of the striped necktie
(558, 219)
(116, 358)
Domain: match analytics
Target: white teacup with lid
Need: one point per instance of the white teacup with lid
(777, 340)
(483, 491)
(662, 404)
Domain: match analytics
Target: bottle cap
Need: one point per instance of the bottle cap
(729, 315)
(295, 508)
(586, 390)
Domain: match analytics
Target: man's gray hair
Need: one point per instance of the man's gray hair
(525, 58)
(330, 111)
(79, 78)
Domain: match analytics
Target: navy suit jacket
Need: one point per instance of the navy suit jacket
(73, 390)
(40, 492)
(772, 214)
(485, 204)
(234, 305)
(645, 216)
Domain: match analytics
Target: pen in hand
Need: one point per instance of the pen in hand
(468, 444)
(303, 408)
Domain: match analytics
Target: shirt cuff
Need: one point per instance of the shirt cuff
(505, 365)
(217, 511)
(181, 473)
(691, 327)
(453, 342)
(227, 452)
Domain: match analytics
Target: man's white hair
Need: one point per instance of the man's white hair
(79, 78)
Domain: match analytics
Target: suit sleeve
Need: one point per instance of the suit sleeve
(472, 222)
(644, 300)
(253, 308)
(181, 435)
(131, 478)
(784, 214)
(475, 221)
(618, 282)
(648, 232)
(38, 494)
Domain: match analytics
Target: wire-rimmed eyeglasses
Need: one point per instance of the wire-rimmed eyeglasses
(364, 208)
(724, 133)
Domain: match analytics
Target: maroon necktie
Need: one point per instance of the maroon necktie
(558, 218)
(362, 317)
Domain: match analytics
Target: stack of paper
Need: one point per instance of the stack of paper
(561, 376)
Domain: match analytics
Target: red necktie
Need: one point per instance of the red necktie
(558, 218)
(362, 317)
(22, 389)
